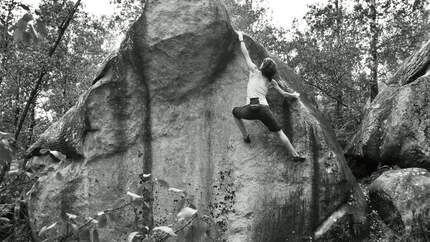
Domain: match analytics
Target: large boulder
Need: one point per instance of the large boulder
(396, 127)
(162, 106)
(402, 199)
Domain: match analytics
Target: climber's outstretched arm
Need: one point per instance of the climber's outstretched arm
(284, 93)
(245, 52)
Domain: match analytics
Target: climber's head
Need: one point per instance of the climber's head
(268, 68)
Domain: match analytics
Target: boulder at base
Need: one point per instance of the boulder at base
(396, 127)
(7, 153)
(162, 106)
(402, 199)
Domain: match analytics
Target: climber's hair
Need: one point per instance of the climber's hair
(268, 68)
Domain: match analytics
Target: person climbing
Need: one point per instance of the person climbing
(257, 107)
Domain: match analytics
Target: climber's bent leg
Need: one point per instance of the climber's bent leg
(240, 113)
(287, 143)
(289, 146)
(267, 117)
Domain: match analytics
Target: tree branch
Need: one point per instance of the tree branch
(326, 93)
(39, 81)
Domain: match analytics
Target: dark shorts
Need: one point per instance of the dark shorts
(257, 111)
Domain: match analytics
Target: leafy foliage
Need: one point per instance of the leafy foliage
(347, 51)
(69, 70)
(86, 228)
(253, 18)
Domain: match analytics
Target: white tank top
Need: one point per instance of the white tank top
(257, 86)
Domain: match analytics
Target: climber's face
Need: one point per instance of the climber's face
(268, 68)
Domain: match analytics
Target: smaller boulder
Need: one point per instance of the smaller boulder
(402, 199)
(7, 153)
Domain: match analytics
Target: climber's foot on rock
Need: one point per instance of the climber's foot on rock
(247, 139)
(298, 158)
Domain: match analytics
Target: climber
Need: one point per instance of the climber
(257, 107)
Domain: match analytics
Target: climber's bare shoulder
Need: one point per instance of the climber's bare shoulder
(253, 68)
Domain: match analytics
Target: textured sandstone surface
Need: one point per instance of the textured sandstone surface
(7, 153)
(396, 127)
(6, 150)
(162, 105)
(402, 199)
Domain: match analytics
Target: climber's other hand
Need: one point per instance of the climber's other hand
(275, 84)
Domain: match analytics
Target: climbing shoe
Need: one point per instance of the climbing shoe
(247, 139)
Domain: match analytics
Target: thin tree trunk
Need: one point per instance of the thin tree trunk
(373, 51)
(39, 81)
(5, 36)
(6, 26)
(17, 102)
(413, 67)
(65, 102)
(32, 125)
(338, 30)
(339, 77)
(339, 109)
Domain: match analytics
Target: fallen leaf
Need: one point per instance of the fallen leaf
(13, 172)
(186, 213)
(131, 236)
(71, 216)
(43, 151)
(75, 227)
(134, 195)
(172, 189)
(3, 219)
(166, 229)
(58, 155)
(46, 228)
(93, 220)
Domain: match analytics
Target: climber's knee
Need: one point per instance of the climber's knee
(235, 112)
(274, 127)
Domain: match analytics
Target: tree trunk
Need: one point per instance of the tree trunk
(39, 81)
(17, 102)
(338, 28)
(339, 110)
(373, 85)
(413, 67)
(31, 126)
(65, 101)
(339, 79)
(5, 34)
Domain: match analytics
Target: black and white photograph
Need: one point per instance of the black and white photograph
(215, 120)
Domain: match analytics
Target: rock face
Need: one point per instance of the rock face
(162, 105)
(7, 153)
(396, 127)
(402, 199)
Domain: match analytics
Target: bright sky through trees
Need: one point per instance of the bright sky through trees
(284, 11)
